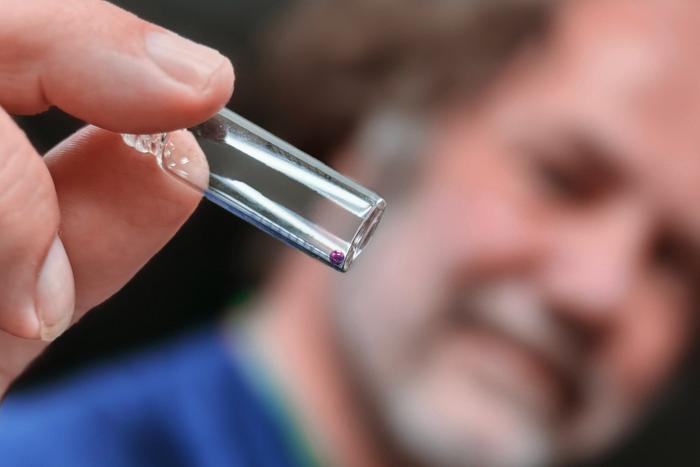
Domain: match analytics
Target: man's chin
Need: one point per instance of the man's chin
(463, 425)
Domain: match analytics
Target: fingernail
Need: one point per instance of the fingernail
(185, 61)
(55, 295)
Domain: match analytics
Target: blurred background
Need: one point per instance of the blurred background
(216, 261)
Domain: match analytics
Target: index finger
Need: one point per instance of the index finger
(107, 67)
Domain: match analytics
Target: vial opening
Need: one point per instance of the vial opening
(364, 232)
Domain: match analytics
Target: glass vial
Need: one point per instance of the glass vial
(274, 186)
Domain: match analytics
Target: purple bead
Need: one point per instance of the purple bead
(337, 257)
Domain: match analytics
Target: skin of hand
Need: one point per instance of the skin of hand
(79, 223)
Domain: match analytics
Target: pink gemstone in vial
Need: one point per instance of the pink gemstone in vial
(337, 257)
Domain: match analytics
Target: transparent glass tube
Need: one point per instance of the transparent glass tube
(272, 185)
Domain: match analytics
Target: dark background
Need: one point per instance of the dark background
(211, 263)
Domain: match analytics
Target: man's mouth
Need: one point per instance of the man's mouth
(520, 374)
(534, 368)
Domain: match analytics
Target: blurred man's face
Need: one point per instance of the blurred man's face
(532, 292)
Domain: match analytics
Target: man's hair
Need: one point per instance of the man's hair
(327, 64)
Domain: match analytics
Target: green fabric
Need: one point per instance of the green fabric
(272, 396)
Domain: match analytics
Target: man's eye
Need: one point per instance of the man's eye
(574, 169)
(562, 183)
(672, 255)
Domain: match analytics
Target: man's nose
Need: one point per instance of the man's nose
(491, 237)
(593, 260)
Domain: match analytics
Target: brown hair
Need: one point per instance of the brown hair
(327, 64)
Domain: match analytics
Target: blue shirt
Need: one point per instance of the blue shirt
(190, 403)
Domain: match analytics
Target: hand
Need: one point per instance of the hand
(77, 225)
